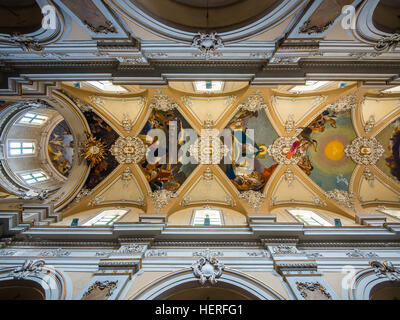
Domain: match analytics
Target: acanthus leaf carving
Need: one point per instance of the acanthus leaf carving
(208, 268)
(386, 269)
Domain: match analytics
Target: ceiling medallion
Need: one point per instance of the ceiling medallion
(208, 148)
(364, 150)
(343, 104)
(161, 198)
(207, 43)
(94, 150)
(280, 149)
(162, 102)
(253, 198)
(343, 198)
(129, 150)
(253, 103)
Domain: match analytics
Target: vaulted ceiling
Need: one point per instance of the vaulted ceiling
(308, 148)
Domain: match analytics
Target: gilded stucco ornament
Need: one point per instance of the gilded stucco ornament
(162, 102)
(161, 198)
(253, 198)
(281, 147)
(313, 291)
(343, 198)
(208, 148)
(343, 104)
(126, 177)
(100, 290)
(208, 268)
(386, 269)
(129, 150)
(254, 102)
(363, 150)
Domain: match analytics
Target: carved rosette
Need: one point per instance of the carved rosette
(161, 198)
(162, 102)
(207, 268)
(280, 148)
(253, 198)
(208, 148)
(253, 103)
(207, 43)
(129, 150)
(343, 198)
(364, 150)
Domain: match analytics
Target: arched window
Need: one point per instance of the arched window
(106, 217)
(32, 118)
(308, 217)
(21, 148)
(207, 217)
(34, 177)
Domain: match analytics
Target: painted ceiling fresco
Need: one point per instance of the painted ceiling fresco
(325, 140)
(101, 131)
(241, 172)
(61, 148)
(161, 174)
(390, 140)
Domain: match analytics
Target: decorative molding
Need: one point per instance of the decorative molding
(343, 104)
(156, 253)
(357, 253)
(284, 249)
(106, 28)
(253, 103)
(363, 150)
(129, 249)
(162, 102)
(386, 269)
(368, 176)
(318, 201)
(126, 177)
(82, 194)
(313, 291)
(207, 43)
(253, 198)
(289, 176)
(55, 253)
(208, 175)
(5, 252)
(290, 124)
(370, 124)
(29, 267)
(127, 123)
(208, 268)
(24, 42)
(389, 42)
(129, 150)
(161, 198)
(310, 29)
(343, 198)
(126, 61)
(206, 252)
(96, 201)
(102, 288)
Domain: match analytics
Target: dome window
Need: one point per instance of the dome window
(34, 177)
(21, 148)
(33, 119)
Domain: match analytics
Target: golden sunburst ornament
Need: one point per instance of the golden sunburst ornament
(94, 150)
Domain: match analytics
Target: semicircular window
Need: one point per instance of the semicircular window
(61, 148)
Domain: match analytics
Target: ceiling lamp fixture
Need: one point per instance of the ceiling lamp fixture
(106, 86)
(209, 86)
(310, 86)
